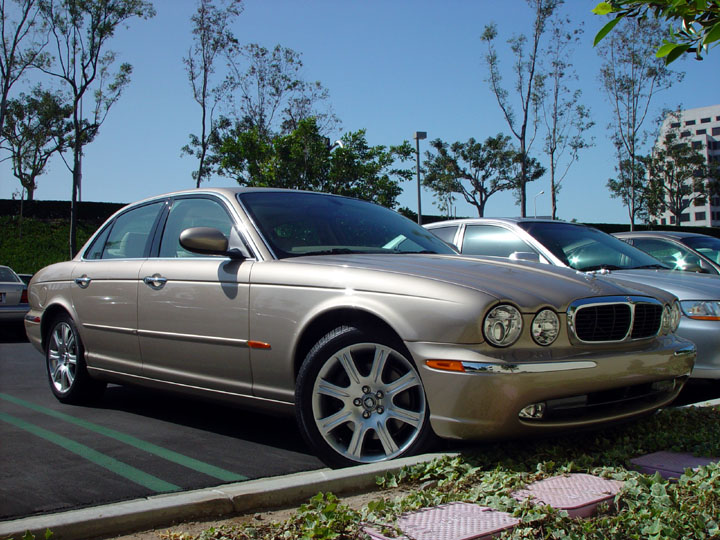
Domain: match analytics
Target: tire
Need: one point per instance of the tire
(361, 400)
(65, 362)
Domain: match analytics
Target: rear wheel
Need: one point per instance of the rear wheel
(65, 361)
(359, 399)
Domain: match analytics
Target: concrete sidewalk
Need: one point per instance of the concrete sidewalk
(242, 497)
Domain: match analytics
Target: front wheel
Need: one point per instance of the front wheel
(64, 355)
(359, 399)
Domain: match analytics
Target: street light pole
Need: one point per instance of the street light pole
(535, 202)
(418, 136)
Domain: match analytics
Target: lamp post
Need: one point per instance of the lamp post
(418, 136)
(535, 201)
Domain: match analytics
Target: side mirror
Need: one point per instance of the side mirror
(529, 256)
(208, 241)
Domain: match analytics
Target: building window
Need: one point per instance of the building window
(700, 132)
(685, 134)
(716, 131)
(672, 220)
(717, 118)
(716, 201)
(684, 218)
(697, 145)
(705, 120)
(700, 216)
(700, 201)
(690, 123)
(675, 125)
(662, 221)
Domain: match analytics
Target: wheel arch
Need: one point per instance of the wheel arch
(50, 314)
(327, 321)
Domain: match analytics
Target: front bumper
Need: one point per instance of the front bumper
(706, 337)
(485, 401)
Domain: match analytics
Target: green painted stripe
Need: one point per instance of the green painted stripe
(118, 467)
(185, 461)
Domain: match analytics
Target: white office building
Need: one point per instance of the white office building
(701, 127)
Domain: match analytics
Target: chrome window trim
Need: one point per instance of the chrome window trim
(630, 301)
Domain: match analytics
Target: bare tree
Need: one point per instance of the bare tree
(566, 120)
(22, 45)
(80, 31)
(526, 68)
(213, 40)
(274, 97)
(631, 75)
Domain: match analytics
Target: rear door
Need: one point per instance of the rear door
(105, 289)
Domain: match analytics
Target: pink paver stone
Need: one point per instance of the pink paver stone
(578, 494)
(453, 521)
(670, 464)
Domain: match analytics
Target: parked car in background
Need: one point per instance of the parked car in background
(13, 297)
(374, 332)
(587, 249)
(679, 250)
(25, 278)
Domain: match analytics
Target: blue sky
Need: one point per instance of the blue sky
(392, 67)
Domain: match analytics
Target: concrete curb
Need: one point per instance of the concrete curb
(241, 497)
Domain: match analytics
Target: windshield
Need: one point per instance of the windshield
(707, 246)
(298, 224)
(586, 249)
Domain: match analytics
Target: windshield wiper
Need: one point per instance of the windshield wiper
(333, 251)
(422, 252)
(650, 267)
(601, 267)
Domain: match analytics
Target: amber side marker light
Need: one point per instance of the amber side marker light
(445, 365)
(258, 345)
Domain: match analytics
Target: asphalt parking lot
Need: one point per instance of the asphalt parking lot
(131, 444)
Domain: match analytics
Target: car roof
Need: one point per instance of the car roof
(513, 220)
(666, 234)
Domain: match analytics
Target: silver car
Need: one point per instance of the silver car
(365, 325)
(679, 250)
(587, 249)
(13, 297)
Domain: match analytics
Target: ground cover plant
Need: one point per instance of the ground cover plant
(648, 507)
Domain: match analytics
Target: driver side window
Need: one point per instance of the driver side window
(187, 213)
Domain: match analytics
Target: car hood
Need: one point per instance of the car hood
(684, 285)
(530, 285)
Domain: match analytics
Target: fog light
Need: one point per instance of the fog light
(534, 411)
(663, 386)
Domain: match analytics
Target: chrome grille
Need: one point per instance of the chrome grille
(607, 319)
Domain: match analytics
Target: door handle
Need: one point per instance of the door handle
(155, 281)
(83, 282)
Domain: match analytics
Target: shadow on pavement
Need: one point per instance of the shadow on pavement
(12, 333)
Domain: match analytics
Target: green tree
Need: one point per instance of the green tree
(303, 159)
(21, 45)
(631, 186)
(630, 78)
(526, 69)
(567, 121)
(694, 24)
(80, 31)
(473, 170)
(679, 175)
(36, 126)
(213, 40)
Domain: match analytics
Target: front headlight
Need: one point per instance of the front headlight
(545, 327)
(665, 321)
(675, 315)
(704, 310)
(503, 325)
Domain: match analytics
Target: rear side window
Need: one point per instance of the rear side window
(492, 241)
(446, 234)
(129, 235)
